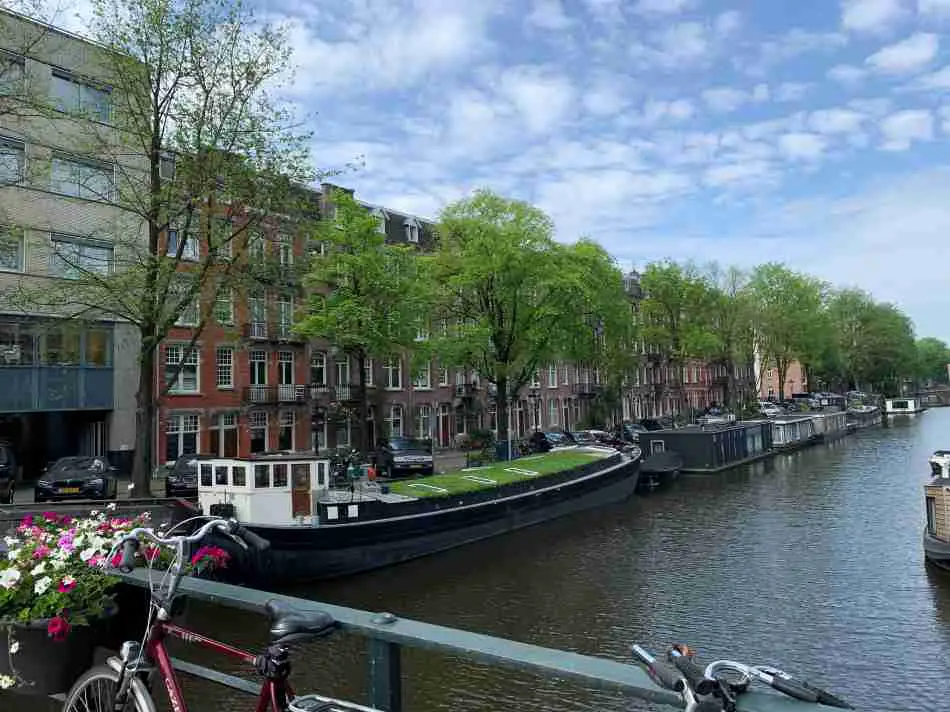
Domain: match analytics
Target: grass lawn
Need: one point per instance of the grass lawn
(499, 473)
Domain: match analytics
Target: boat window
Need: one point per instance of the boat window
(239, 476)
(321, 474)
(280, 474)
(206, 475)
(932, 516)
(261, 476)
(301, 475)
(657, 446)
(221, 475)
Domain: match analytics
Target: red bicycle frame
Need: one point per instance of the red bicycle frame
(275, 692)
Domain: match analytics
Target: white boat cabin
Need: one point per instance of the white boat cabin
(268, 489)
(831, 424)
(792, 430)
(940, 464)
(902, 406)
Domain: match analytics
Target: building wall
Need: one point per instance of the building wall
(796, 381)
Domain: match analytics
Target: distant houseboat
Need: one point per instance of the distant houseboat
(902, 406)
(317, 531)
(937, 503)
(790, 432)
(863, 416)
(714, 447)
(830, 425)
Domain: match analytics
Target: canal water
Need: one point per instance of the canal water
(811, 561)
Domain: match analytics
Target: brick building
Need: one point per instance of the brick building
(796, 381)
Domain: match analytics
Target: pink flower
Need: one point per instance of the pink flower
(50, 516)
(67, 584)
(116, 560)
(27, 522)
(151, 552)
(66, 542)
(97, 560)
(41, 551)
(58, 628)
(67, 520)
(210, 557)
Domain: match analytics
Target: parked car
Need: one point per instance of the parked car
(545, 440)
(181, 479)
(404, 456)
(79, 477)
(604, 438)
(769, 409)
(583, 437)
(631, 432)
(8, 469)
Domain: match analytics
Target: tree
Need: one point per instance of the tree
(370, 297)
(787, 315)
(204, 164)
(732, 322)
(933, 357)
(677, 311)
(510, 299)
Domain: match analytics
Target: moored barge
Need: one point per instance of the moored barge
(937, 504)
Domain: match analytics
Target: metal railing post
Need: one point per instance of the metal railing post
(385, 675)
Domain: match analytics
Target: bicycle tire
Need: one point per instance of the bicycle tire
(99, 683)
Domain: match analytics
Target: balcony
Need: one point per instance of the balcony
(284, 394)
(345, 393)
(466, 390)
(279, 333)
(585, 390)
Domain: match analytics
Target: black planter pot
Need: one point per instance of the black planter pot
(41, 665)
(128, 622)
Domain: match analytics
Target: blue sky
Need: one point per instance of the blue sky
(812, 132)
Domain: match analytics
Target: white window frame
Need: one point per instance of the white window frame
(392, 374)
(536, 379)
(369, 367)
(443, 376)
(552, 375)
(285, 317)
(412, 231)
(81, 104)
(285, 248)
(255, 357)
(184, 424)
(394, 415)
(318, 357)
(189, 252)
(423, 379)
(287, 419)
(224, 367)
(259, 415)
(190, 315)
(553, 412)
(221, 423)
(81, 244)
(190, 360)
(13, 238)
(82, 167)
(424, 416)
(15, 65)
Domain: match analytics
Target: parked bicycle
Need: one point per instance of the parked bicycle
(123, 683)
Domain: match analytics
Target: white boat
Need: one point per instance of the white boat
(902, 406)
(940, 464)
(830, 425)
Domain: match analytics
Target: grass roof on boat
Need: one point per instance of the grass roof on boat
(500, 473)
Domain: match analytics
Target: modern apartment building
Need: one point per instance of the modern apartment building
(66, 385)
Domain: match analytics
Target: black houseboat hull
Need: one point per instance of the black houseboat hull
(332, 550)
(936, 551)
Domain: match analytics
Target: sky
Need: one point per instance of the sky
(811, 132)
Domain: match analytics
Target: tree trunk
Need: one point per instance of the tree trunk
(501, 409)
(364, 404)
(144, 425)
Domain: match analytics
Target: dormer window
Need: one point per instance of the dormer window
(412, 231)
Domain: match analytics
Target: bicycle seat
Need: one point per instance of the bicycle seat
(287, 624)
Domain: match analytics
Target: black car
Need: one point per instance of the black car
(404, 456)
(631, 432)
(181, 478)
(80, 477)
(7, 472)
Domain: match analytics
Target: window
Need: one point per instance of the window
(189, 250)
(224, 367)
(318, 369)
(73, 257)
(343, 371)
(261, 476)
(552, 412)
(565, 375)
(422, 333)
(257, 426)
(394, 421)
(60, 346)
(82, 179)
(412, 231)
(11, 73)
(443, 376)
(931, 515)
(166, 166)
(369, 369)
(258, 360)
(380, 221)
(181, 436)
(285, 318)
(552, 375)
(280, 474)
(11, 250)
(771, 373)
(224, 435)
(257, 308)
(98, 347)
(224, 308)
(424, 376)
(222, 233)
(392, 370)
(536, 380)
(285, 248)
(181, 369)
(189, 315)
(285, 434)
(73, 95)
(256, 247)
(285, 371)
(11, 161)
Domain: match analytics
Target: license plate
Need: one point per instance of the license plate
(69, 490)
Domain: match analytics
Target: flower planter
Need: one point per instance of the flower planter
(128, 621)
(41, 665)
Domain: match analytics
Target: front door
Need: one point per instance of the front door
(300, 494)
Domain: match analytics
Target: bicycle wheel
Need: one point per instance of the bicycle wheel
(95, 691)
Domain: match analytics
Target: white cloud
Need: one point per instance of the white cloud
(723, 100)
(728, 23)
(836, 121)
(663, 7)
(548, 15)
(760, 93)
(801, 146)
(902, 128)
(934, 8)
(606, 95)
(936, 81)
(791, 91)
(680, 44)
(785, 47)
(542, 96)
(906, 56)
(846, 74)
(737, 174)
(871, 15)
(657, 111)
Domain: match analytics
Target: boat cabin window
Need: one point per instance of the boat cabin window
(301, 475)
(239, 476)
(221, 475)
(902, 404)
(931, 516)
(261, 476)
(206, 475)
(657, 446)
(280, 474)
(321, 474)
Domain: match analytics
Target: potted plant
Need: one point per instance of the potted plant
(54, 591)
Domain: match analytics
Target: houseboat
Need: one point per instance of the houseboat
(713, 447)
(791, 432)
(830, 424)
(937, 503)
(317, 531)
(902, 406)
(863, 416)
(658, 470)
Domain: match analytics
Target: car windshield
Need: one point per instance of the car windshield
(556, 437)
(410, 444)
(72, 466)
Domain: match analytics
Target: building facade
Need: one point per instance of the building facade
(66, 385)
(796, 381)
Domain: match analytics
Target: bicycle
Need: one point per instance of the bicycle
(715, 687)
(123, 684)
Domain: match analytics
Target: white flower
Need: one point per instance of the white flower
(14, 647)
(6, 682)
(9, 577)
(10, 541)
(39, 569)
(94, 513)
(87, 554)
(58, 564)
(110, 506)
(42, 585)
(14, 554)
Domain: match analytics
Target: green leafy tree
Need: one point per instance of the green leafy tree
(787, 316)
(370, 298)
(933, 356)
(732, 322)
(510, 299)
(198, 162)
